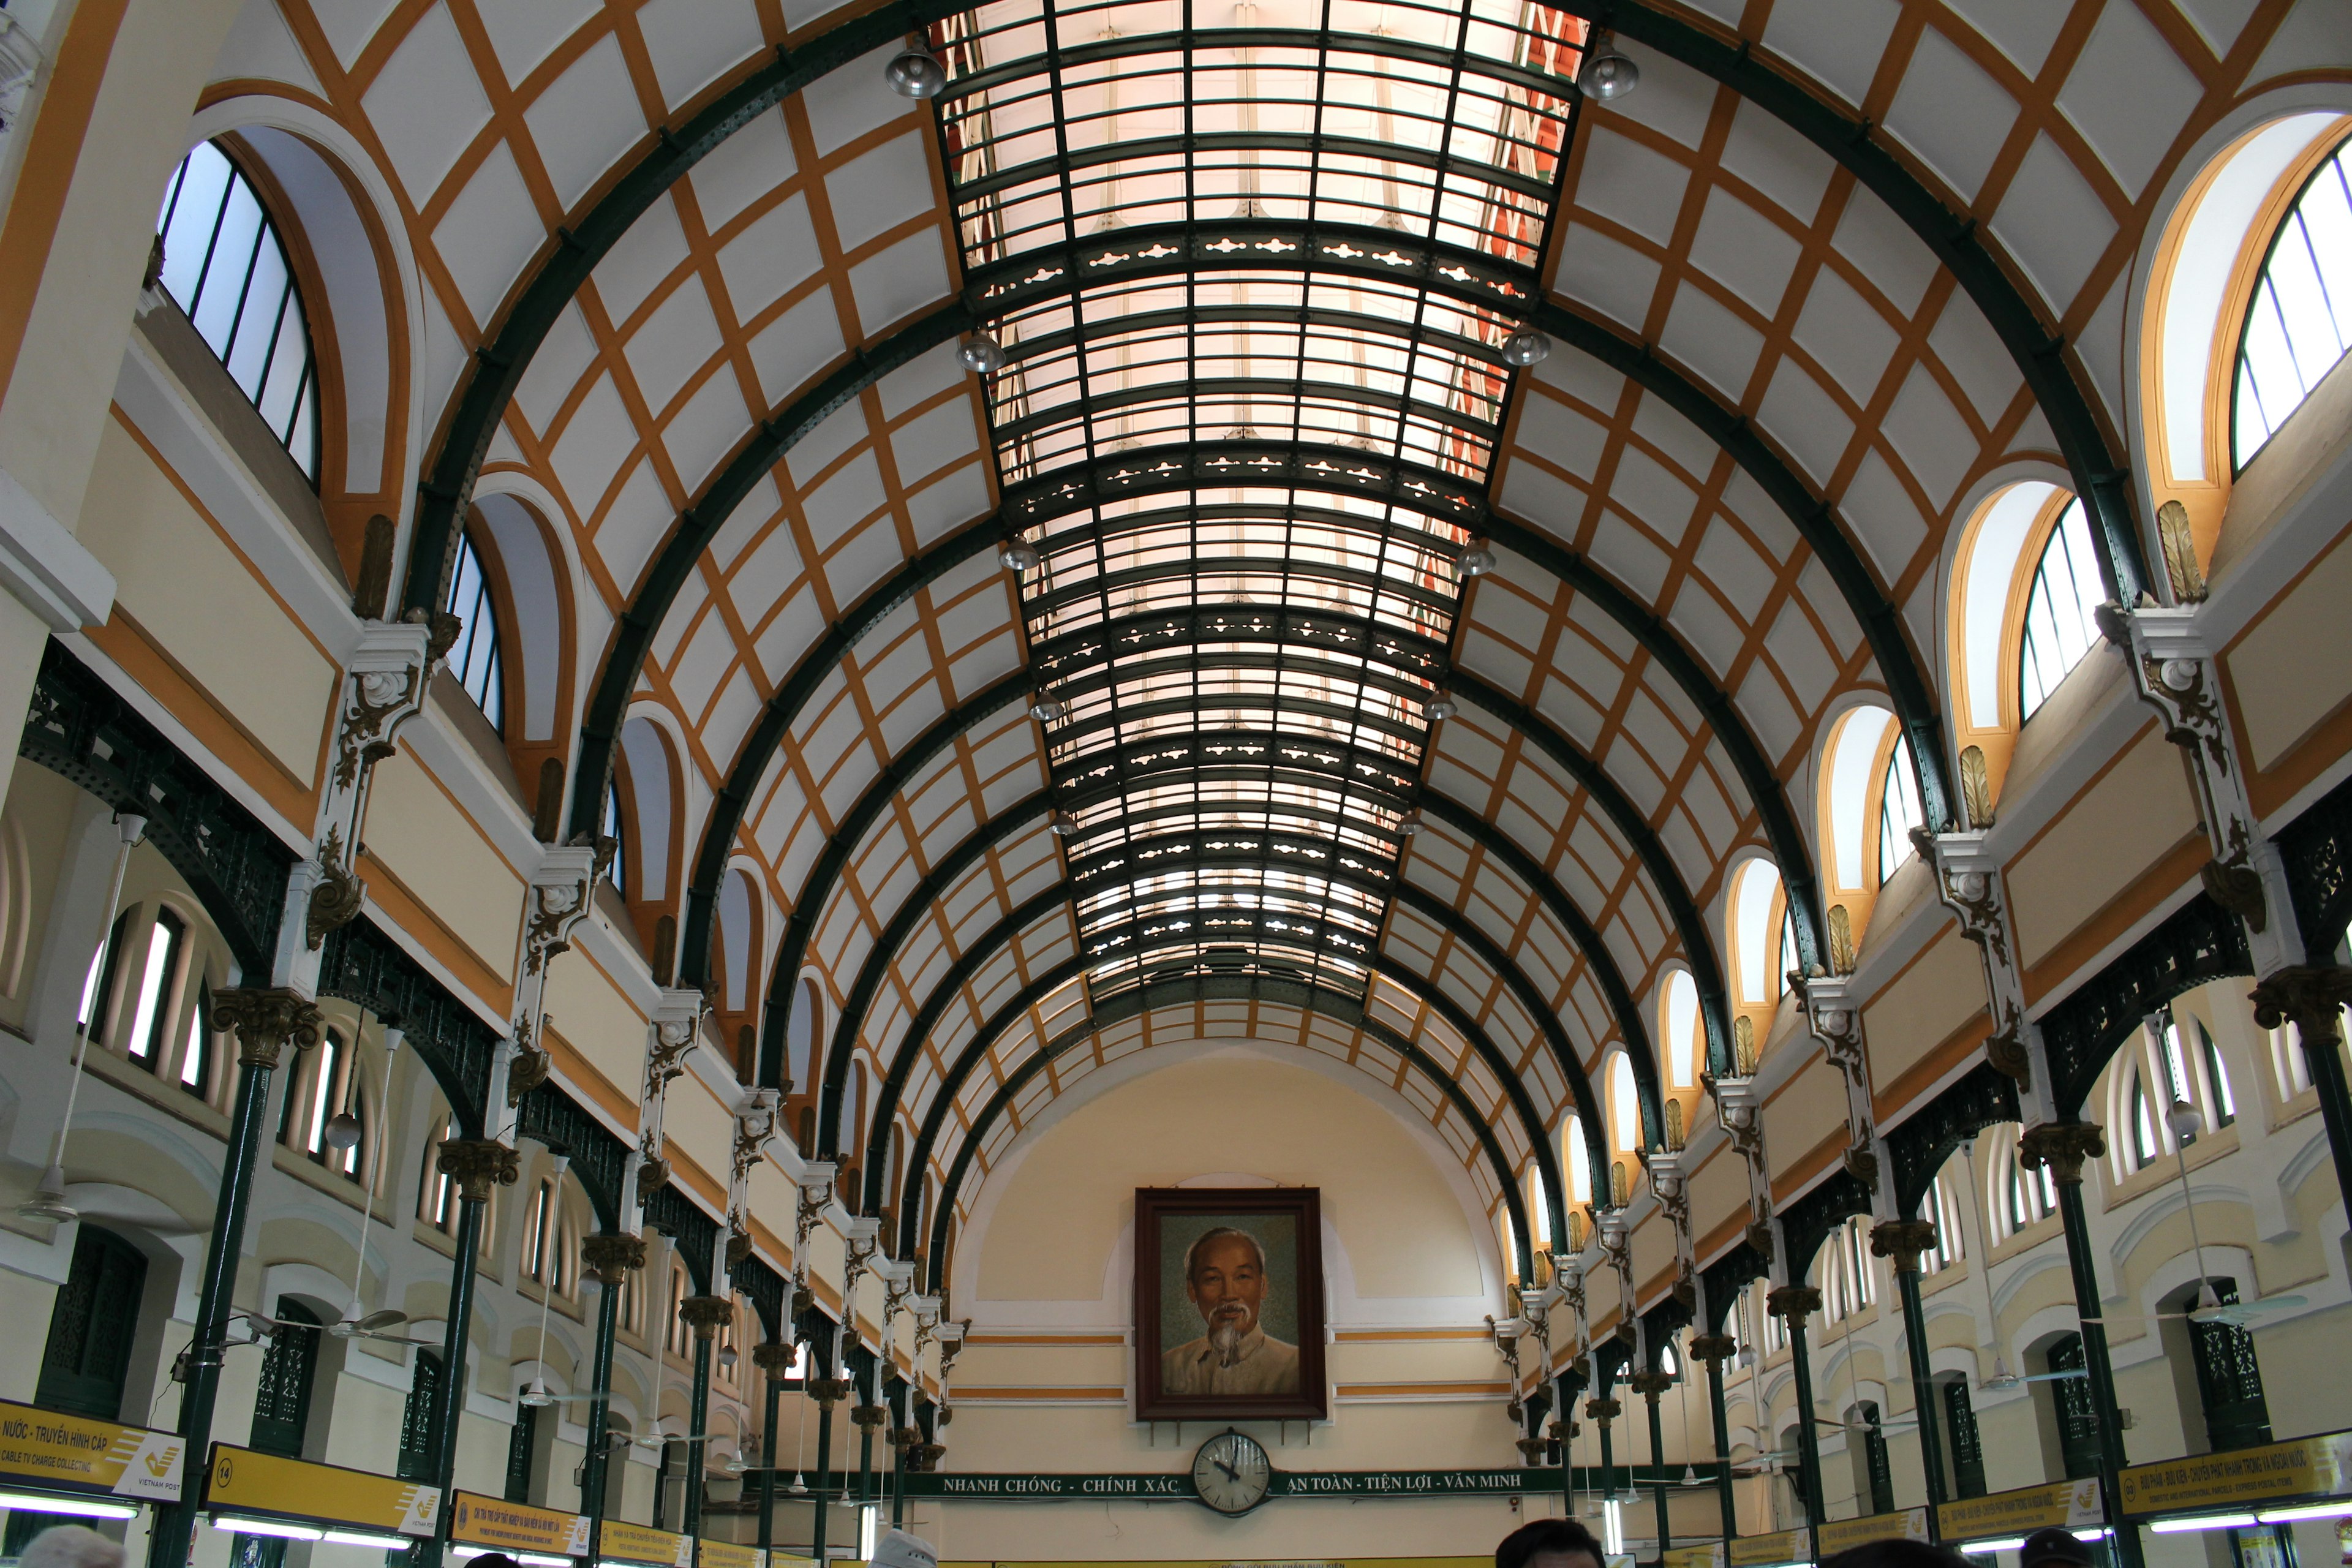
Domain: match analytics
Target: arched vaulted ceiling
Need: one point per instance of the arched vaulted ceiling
(693, 276)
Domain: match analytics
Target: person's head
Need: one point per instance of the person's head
(493, 1560)
(2053, 1548)
(897, 1549)
(1548, 1543)
(1894, 1554)
(1225, 1273)
(70, 1546)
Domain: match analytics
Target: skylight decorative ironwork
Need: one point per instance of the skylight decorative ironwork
(1244, 440)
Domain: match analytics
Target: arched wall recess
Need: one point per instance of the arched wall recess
(1339, 1009)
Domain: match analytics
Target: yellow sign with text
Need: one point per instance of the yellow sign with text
(1762, 1551)
(779, 1560)
(1709, 1555)
(623, 1543)
(78, 1454)
(1836, 1536)
(2066, 1504)
(246, 1482)
(2305, 1467)
(479, 1521)
(727, 1554)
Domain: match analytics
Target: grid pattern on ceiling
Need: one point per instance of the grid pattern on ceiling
(1238, 676)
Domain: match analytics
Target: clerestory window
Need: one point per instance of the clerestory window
(2061, 610)
(224, 266)
(2299, 323)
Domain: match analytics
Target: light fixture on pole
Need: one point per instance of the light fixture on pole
(1527, 346)
(1606, 74)
(1018, 555)
(1477, 560)
(353, 1318)
(536, 1396)
(915, 72)
(1441, 706)
(981, 354)
(49, 1200)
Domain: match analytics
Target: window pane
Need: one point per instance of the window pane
(225, 265)
(162, 947)
(2300, 323)
(2061, 610)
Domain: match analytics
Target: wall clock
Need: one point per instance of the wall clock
(1231, 1473)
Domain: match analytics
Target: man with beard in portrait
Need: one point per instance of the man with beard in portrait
(1224, 1274)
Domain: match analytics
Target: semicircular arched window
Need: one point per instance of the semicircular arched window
(1898, 810)
(2299, 323)
(226, 267)
(612, 828)
(475, 657)
(2061, 610)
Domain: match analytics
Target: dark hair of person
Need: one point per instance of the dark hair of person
(1525, 1543)
(1895, 1554)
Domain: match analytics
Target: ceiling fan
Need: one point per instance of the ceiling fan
(2003, 1379)
(377, 1325)
(2184, 1122)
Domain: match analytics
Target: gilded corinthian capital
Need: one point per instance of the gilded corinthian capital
(477, 1164)
(1794, 1302)
(706, 1315)
(2063, 1146)
(609, 1258)
(2308, 995)
(265, 1018)
(1902, 1240)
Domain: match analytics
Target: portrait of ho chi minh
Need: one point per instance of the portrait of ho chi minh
(1226, 1278)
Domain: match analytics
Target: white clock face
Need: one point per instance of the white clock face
(1231, 1473)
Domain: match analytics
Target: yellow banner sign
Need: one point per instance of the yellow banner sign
(1843, 1534)
(2306, 1466)
(479, 1521)
(1707, 1556)
(1761, 1551)
(727, 1554)
(78, 1454)
(636, 1544)
(779, 1559)
(246, 1482)
(2067, 1504)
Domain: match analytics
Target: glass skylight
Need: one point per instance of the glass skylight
(1246, 438)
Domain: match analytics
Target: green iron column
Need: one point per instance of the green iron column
(1792, 1304)
(264, 1020)
(2312, 997)
(610, 1259)
(827, 1392)
(775, 1362)
(706, 1315)
(476, 1165)
(866, 1414)
(1714, 1350)
(1601, 1410)
(2061, 1147)
(1903, 1240)
(1648, 1385)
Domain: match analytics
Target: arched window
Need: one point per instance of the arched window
(1898, 810)
(1678, 1022)
(226, 268)
(1576, 1160)
(2300, 322)
(2060, 611)
(474, 659)
(1538, 1209)
(1757, 948)
(2139, 1118)
(611, 828)
(436, 1197)
(1624, 1104)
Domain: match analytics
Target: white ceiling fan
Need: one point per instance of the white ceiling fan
(2184, 1122)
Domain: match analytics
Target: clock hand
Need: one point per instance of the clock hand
(1231, 1474)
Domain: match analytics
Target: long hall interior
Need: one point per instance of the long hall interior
(1180, 782)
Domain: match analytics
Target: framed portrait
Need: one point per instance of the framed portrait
(1228, 1304)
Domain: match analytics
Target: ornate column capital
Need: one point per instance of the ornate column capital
(1650, 1384)
(828, 1392)
(477, 1164)
(1713, 1347)
(1601, 1410)
(869, 1417)
(1794, 1302)
(2308, 995)
(2062, 1146)
(609, 1257)
(775, 1361)
(1902, 1240)
(706, 1315)
(266, 1018)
